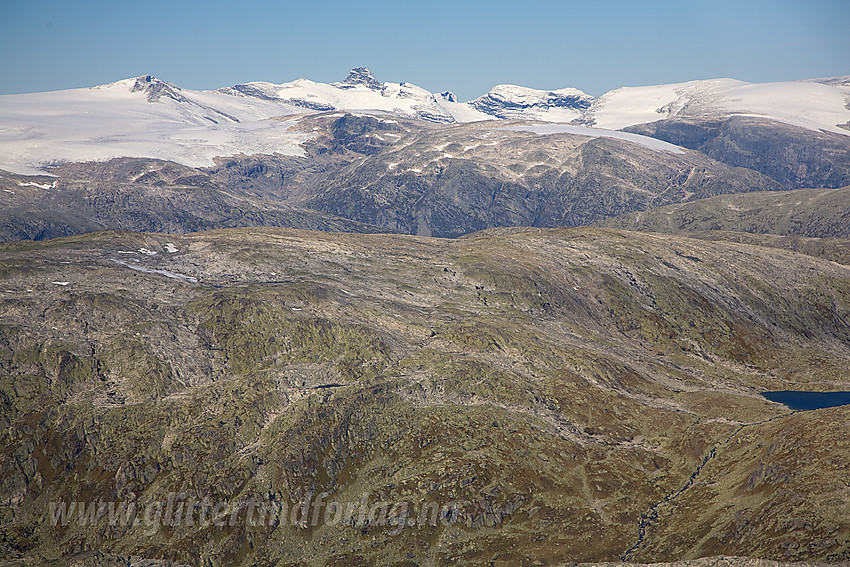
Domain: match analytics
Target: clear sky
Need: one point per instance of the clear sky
(466, 47)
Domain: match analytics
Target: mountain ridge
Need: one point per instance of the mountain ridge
(192, 127)
(816, 213)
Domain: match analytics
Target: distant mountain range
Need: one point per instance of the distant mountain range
(366, 156)
(147, 117)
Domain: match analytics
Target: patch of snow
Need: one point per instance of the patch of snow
(44, 186)
(146, 252)
(63, 284)
(462, 111)
(8, 191)
(170, 248)
(165, 273)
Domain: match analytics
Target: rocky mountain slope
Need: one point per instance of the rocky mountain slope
(833, 249)
(792, 155)
(805, 212)
(367, 174)
(133, 194)
(449, 181)
(579, 394)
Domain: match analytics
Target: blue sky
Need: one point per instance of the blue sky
(466, 47)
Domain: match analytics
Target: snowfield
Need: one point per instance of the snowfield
(109, 121)
(807, 104)
(397, 98)
(146, 117)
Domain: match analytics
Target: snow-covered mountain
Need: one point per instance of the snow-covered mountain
(361, 91)
(513, 102)
(140, 117)
(816, 105)
(147, 117)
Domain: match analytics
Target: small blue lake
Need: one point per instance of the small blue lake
(808, 400)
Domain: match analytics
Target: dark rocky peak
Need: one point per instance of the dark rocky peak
(362, 76)
(449, 96)
(155, 89)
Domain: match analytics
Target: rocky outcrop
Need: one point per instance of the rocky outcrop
(513, 102)
(155, 89)
(795, 157)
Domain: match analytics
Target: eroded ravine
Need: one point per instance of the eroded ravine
(648, 518)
